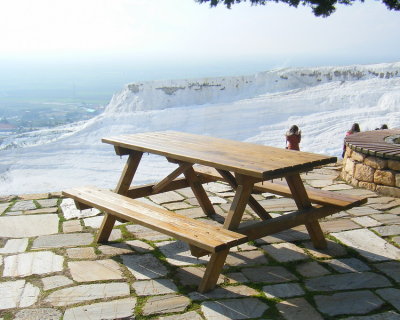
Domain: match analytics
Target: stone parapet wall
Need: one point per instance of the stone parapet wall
(373, 173)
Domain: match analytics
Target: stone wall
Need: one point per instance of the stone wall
(373, 173)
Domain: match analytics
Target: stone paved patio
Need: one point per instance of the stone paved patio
(51, 268)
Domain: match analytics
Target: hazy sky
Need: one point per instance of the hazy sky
(182, 31)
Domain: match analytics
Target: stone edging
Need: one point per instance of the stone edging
(371, 172)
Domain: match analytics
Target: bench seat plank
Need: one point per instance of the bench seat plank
(317, 196)
(208, 237)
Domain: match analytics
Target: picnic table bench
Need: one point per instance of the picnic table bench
(245, 167)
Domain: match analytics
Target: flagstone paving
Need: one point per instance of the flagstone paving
(52, 269)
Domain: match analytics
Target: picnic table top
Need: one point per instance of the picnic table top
(250, 159)
(379, 143)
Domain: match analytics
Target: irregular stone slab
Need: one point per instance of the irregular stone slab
(295, 234)
(154, 287)
(63, 240)
(191, 276)
(26, 264)
(347, 265)
(139, 246)
(144, 267)
(271, 274)
(344, 303)
(146, 233)
(72, 226)
(87, 271)
(320, 183)
(387, 218)
(366, 222)
(338, 225)
(41, 210)
(236, 277)
(279, 205)
(78, 294)
(47, 203)
(115, 249)
(15, 246)
(233, 309)
(333, 249)
(245, 258)
(384, 206)
(192, 315)
(369, 245)
(14, 213)
(362, 211)
(224, 293)
(196, 212)
(115, 234)
(165, 197)
(177, 253)
(176, 205)
(385, 231)
(17, 294)
(95, 222)
(311, 269)
(38, 314)
(4, 206)
(283, 290)
(359, 192)
(28, 226)
(23, 205)
(55, 282)
(81, 253)
(70, 211)
(390, 315)
(165, 304)
(217, 200)
(115, 309)
(297, 309)
(347, 281)
(285, 252)
(391, 269)
(391, 295)
(393, 211)
(33, 196)
(337, 187)
(216, 187)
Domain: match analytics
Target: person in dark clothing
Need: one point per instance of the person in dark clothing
(293, 138)
(354, 129)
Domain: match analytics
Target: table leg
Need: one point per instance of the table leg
(303, 202)
(253, 203)
(217, 260)
(122, 188)
(199, 191)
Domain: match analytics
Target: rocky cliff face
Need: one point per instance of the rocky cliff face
(177, 93)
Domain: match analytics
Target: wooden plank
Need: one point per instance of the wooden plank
(122, 188)
(146, 190)
(213, 270)
(286, 221)
(300, 196)
(205, 236)
(318, 196)
(168, 179)
(199, 191)
(245, 158)
(253, 203)
(239, 203)
(128, 172)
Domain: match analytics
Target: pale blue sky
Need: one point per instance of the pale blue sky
(199, 40)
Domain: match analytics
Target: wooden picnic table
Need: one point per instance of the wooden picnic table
(246, 167)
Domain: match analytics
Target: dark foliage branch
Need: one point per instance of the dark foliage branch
(323, 8)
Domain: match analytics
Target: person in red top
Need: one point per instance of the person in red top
(293, 138)
(354, 129)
